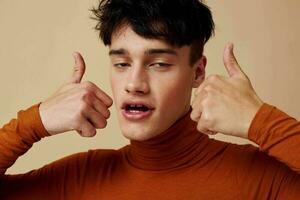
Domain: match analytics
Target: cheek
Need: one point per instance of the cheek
(174, 91)
(116, 84)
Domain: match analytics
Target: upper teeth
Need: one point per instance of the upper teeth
(138, 106)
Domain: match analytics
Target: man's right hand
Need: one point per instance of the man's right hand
(76, 106)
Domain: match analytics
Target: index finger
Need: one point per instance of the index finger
(107, 100)
(101, 95)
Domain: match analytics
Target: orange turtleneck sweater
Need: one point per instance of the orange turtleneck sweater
(180, 163)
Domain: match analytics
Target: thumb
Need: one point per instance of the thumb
(79, 68)
(230, 62)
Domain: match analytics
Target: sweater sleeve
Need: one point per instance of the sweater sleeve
(277, 135)
(57, 180)
(260, 176)
(18, 136)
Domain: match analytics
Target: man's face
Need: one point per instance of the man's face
(151, 83)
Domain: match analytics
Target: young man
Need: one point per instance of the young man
(156, 51)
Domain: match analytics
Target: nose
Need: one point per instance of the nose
(137, 82)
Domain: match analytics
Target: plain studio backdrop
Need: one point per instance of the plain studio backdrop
(37, 39)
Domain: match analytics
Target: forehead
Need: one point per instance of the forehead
(125, 38)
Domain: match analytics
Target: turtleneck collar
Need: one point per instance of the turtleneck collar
(176, 147)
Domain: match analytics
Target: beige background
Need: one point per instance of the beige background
(37, 39)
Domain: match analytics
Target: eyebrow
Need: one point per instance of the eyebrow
(147, 52)
(161, 51)
(118, 52)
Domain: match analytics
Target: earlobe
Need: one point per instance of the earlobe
(199, 71)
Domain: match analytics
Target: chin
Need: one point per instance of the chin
(138, 134)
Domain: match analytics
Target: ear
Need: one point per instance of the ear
(199, 71)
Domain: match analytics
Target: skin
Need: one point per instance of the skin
(164, 79)
(221, 104)
(76, 105)
(226, 104)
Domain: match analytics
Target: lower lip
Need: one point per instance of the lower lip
(136, 115)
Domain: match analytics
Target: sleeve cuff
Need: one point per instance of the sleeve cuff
(32, 121)
(259, 121)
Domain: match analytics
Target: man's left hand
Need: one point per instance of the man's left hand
(226, 104)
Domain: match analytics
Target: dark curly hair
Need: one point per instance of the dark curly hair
(178, 22)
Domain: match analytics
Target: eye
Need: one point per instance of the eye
(121, 65)
(160, 65)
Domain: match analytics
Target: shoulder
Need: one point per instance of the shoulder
(249, 163)
(104, 156)
(88, 160)
(228, 150)
(244, 156)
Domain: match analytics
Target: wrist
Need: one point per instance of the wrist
(43, 118)
(252, 114)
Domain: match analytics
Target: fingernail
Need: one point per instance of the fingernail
(75, 56)
(231, 47)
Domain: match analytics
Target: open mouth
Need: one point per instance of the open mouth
(136, 108)
(136, 111)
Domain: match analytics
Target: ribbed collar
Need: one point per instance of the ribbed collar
(177, 147)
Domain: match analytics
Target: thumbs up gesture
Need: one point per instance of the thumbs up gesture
(226, 104)
(80, 106)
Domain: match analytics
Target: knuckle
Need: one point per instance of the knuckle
(107, 114)
(193, 104)
(195, 115)
(89, 133)
(213, 77)
(208, 122)
(86, 91)
(82, 108)
(82, 133)
(205, 103)
(103, 124)
(206, 119)
(75, 125)
(208, 88)
(88, 85)
(93, 132)
(86, 95)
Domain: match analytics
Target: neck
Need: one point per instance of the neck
(174, 148)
